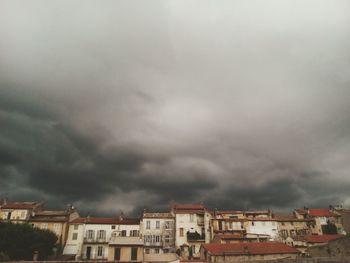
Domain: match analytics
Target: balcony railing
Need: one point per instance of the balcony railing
(195, 236)
(95, 239)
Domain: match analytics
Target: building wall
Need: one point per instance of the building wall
(335, 248)
(190, 224)
(59, 228)
(263, 228)
(291, 229)
(125, 253)
(74, 247)
(152, 247)
(17, 215)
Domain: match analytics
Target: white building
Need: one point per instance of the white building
(191, 228)
(263, 226)
(158, 230)
(89, 237)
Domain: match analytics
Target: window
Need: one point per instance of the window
(75, 236)
(134, 253)
(134, 233)
(157, 224)
(148, 238)
(147, 250)
(76, 227)
(90, 234)
(23, 214)
(181, 232)
(157, 239)
(44, 226)
(101, 234)
(113, 227)
(148, 224)
(167, 239)
(123, 233)
(252, 223)
(191, 218)
(156, 250)
(100, 251)
(167, 224)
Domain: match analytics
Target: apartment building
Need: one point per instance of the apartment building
(19, 212)
(192, 228)
(158, 230)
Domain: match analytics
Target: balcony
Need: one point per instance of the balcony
(120, 240)
(95, 240)
(195, 236)
(154, 244)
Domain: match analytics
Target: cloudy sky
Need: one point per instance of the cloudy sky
(120, 105)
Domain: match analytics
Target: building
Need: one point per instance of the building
(158, 231)
(335, 247)
(192, 228)
(126, 249)
(55, 221)
(19, 212)
(262, 226)
(247, 252)
(327, 220)
(91, 237)
(290, 228)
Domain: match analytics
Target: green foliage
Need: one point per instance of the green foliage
(19, 241)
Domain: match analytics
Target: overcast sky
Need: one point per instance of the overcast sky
(121, 105)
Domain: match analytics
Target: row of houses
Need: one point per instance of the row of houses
(186, 231)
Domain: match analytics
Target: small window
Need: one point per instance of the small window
(100, 251)
(147, 250)
(148, 224)
(181, 232)
(76, 227)
(191, 218)
(44, 226)
(156, 250)
(167, 224)
(123, 233)
(157, 224)
(113, 227)
(23, 214)
(75, 236)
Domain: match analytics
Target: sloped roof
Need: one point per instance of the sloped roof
(321, 238)
(263, 248)
(189, 207)
(21, 205)
(106, 220)
(321, 212)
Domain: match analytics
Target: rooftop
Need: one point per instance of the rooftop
(21, 205)
(321, 238)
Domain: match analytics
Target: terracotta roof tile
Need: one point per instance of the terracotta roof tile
(321, 238)
(321, 212)
(21, 205)
(263, 248)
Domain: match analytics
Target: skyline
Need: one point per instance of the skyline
(232, 104)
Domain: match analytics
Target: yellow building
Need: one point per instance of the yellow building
(126, 249)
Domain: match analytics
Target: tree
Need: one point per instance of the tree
(20, 241)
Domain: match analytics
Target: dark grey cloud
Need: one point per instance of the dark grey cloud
(117, 106)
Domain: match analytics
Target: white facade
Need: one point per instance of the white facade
(89, 240)
(158, 233)
(192, 230)
(263, 227)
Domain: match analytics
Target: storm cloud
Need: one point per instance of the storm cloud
(121, 105)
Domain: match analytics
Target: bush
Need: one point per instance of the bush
(19, 241)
